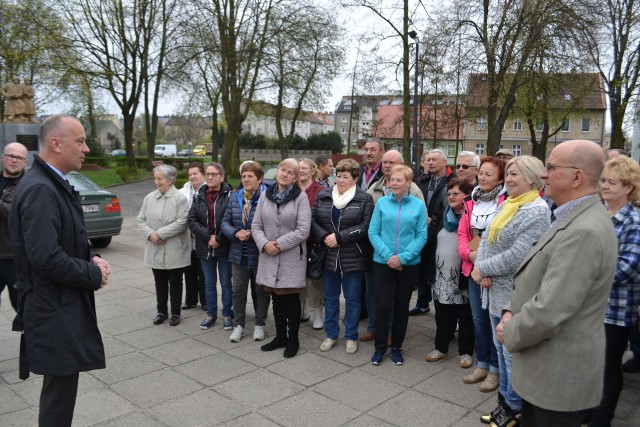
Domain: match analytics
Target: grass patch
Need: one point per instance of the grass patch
(107, 177)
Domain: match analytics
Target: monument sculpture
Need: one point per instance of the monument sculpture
(19, 107)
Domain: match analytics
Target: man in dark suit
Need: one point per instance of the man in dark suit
(554, 324)
(57, 274)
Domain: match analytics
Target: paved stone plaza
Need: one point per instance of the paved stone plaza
(184, 376)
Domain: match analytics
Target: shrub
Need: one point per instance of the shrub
(127, 174)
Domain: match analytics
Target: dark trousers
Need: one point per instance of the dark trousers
(393, 290)
(534, 416)
(447, 315)
(8, 279)
(426, 276)
(194, 282)
(58, 400)
(168, 282)
(286, 313)
(617, 337)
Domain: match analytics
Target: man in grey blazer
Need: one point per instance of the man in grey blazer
(554, 324)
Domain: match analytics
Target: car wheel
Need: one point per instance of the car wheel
(102, 242)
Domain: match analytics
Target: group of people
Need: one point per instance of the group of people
(535, 265)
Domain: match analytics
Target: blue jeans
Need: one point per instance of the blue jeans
(485, 348)
(351, 284)
(506, 372)
(223, 265)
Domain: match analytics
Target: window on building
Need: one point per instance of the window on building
(585, 125)
(517, 125)
(517, 150)
(344, 130)
(501, 147)
(344, 119)
(480, 149)
(451, 149)
(539, 127)
(567, 97)
(565, 125)
(481, 123)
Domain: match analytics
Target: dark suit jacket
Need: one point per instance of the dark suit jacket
(558, 303)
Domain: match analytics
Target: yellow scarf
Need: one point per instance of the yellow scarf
(509, 209)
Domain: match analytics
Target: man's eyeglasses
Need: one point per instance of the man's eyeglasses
(212, 174)
(550, 168)
(465, 167)
(12, 157)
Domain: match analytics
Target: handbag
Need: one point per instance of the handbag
(315, 263)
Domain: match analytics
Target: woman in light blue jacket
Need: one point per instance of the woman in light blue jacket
(398, 232)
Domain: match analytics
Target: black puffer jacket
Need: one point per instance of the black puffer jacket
(198, 221)
(355, 252)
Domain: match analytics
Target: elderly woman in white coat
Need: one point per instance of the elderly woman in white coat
(280, 229)
(163, 220)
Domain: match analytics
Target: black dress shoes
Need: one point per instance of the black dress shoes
(159, 319)
(174, 321)
(188, 306)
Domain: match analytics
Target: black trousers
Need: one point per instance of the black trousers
(447, 315)
(8, 279)
(393, 290)
(534, 416)
(194, 282)
(286, 313)
(58, 400)
(617, 337)
(168, 282)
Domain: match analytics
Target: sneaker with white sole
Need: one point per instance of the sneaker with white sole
(258, 333)
(237, 334)
(351, 346)
(466, 361)
(327, 344)
(318, 320)
(435, 355)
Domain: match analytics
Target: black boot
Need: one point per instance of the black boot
(294, 311)
(280, 317)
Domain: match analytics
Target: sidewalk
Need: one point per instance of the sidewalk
(184, 376)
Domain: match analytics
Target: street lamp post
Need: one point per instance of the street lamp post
(414, 144)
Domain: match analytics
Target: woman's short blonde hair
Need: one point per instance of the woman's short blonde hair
(312, 165)
(628, 172)
(404, 170)
(531, 167)
(292, 163)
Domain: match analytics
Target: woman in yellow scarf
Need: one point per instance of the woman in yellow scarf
(517, 226)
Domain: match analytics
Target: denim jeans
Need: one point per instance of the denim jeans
(506, 371)
(223, 266)
(351, 284)
(243, 278)
(485, 348)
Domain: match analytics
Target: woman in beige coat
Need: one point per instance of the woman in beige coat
(163, 220)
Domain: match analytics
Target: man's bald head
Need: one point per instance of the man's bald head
(390, 159)
(14, 159)
(588, 156)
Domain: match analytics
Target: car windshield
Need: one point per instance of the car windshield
(81, 182)
(271, 173)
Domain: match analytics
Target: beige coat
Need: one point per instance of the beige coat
(167, 214)
(560, 294)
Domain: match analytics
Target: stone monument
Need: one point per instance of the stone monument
(19, 123)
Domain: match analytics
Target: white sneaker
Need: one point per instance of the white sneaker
(237, 334)
(318, 319)
(304, 314)
(352, 346)
(327, 344)
(258, 333)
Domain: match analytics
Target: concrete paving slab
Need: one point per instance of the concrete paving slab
(258, 388)
(309, 409)
(114, 347)
(215, 369)
(411, 373)
(123, 324)
(250, 420)
(308, 369)
(412, 408)
(152, 336)
(10, 401)
(202, 408)
(110, 311)
(136, 418)
(448, 385)
(366, 420)
(20, 418)
(156, 387)
(127, 366)
(98, 406)
(348, 389)
(180, 352)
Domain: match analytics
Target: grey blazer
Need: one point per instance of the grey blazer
(560, 294)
